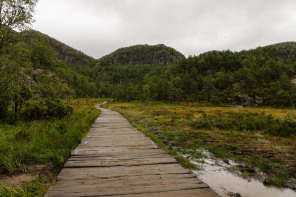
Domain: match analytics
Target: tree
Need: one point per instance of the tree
(42, 55)
(15, 14)
(24, 94)
(9, 83)
(245, 79)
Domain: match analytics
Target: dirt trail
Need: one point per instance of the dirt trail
(115, 159)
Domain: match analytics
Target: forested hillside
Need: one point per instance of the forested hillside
(261, 76)
(38, 66)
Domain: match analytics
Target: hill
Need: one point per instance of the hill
(284, 52)
(64, 51)
(260, 76)
(142, 54)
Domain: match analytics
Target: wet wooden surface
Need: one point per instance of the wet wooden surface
(115, 159)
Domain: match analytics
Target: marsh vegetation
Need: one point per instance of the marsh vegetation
(259, 139)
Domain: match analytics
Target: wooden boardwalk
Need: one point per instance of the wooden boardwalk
(115, 159)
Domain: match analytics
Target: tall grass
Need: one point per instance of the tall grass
(43, 141)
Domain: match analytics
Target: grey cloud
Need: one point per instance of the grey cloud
(97, 27)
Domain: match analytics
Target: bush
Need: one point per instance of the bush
(45, 108)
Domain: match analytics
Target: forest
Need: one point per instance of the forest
(36, 66)
(220, 77)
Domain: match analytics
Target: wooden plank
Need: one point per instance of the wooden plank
(138, 177)
(104, 172)
(113, 143)
(115, 159)
(116, 152)
(126, 162)
(119, 188)
(127, 155)
(208, 192)
(124, 157)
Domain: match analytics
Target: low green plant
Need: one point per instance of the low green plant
(185, 162)
(262, 163)
(220, 152)
(245, 174)
(278, 181)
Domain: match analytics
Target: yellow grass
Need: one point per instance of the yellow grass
(197, 111)
(277, 113)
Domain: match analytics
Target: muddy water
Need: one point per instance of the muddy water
(226, 184)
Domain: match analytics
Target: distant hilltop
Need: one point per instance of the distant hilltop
(142, 54)
(284, 52)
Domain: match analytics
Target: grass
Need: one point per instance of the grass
(278, 181)
(185, 163)
(47, 142)
(262, 138)
(37, 187)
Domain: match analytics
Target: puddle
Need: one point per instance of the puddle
(227, 184)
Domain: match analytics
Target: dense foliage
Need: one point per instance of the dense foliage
(33, 65)
(15, 14)
(31, 68)
(221, 77)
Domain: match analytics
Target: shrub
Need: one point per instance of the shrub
(56, 108)
(45, 108)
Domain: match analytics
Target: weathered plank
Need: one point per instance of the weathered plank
(104, 172)
(120, 162)
(115, 159)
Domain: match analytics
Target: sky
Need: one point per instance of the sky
(99, 27)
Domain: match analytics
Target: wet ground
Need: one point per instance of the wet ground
(214, 172)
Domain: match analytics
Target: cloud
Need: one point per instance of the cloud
(99, 27)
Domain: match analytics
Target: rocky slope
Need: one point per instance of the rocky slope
(64, 51)
(284, 52)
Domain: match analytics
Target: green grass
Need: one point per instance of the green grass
(262, 163)
(245, 174)
(278, 181)
(185, 163)
(37, 187)
(42, 142)
(220, 152)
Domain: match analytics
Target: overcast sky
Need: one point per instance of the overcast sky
(98, 27)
